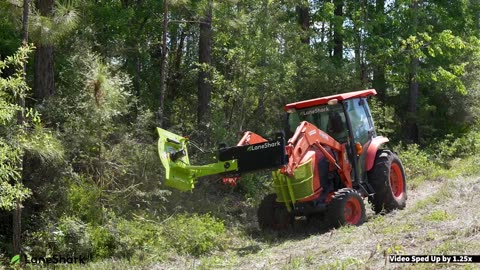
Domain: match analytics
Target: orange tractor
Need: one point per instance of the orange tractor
(332, 161)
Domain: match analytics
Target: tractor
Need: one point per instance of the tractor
(331, 162)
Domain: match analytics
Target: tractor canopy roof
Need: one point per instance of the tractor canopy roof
(324, 100)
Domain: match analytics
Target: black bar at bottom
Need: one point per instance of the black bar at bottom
(434, 258)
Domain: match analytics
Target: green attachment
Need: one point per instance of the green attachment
(291, 189)
(179, 174)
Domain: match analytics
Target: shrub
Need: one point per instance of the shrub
(139, 238)
(255, 186)
(450, 148)
(72, 238)
(415, 161)
(195, 234)
(103, 241)
(84, 200)
(467, 145)
(133, 239)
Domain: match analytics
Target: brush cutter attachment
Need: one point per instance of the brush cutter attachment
(179, 174)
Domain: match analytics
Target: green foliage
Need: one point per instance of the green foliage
(255, 186)
(84, 198)
(71, 237)
(103, 241)
(139, 238)
(9, 41)
(68, 236)
(448, 158)
(461, 147)
(17, 137)
(48, 30)
(9, 160)
(415, 161)
(12, 87)
(118, 163)
(438, 216)
(384, 118)
(195, 234)
(43, 143)
(136, 239)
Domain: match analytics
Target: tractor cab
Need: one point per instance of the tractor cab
(345, 117)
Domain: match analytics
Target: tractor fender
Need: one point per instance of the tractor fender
(372, 150)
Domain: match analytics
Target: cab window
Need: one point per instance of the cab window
(362, 125)
(329, 118)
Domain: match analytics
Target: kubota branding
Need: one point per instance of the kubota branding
(263, 146)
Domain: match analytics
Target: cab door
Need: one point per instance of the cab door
(362, 130)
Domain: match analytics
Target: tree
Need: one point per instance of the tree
(44, 85)
(17, 217)
(412, 128)
(338, 31)
(48, 26)
(163, 68)
(205, 60)
(303, 11)
(14, 138)
(376, 53)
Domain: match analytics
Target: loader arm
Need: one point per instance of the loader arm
(299, 180)
(247, 139)
(308, 135)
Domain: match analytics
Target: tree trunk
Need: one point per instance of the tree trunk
(338, 30)
(359, 63)
(44, 81)
(260, 110)
(304, 22)
(412, 130)
(163, 71)
(177, 64)
(204, 75)
(412, 127)
(17, 215)
(379, 82)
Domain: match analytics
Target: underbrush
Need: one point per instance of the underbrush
(137, 240)
(449, 158)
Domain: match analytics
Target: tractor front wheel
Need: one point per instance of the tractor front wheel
(273, 215)
(346, 208)
(387, 179)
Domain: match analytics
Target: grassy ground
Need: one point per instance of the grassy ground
(441, 217)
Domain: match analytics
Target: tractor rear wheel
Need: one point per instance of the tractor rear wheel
(346, 207)
(387, 179)
(273, 215)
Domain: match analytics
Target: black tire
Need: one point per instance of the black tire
(346, 207)
(388, 181)
(273, 215)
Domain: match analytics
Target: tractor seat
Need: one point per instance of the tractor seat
(337, 128)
